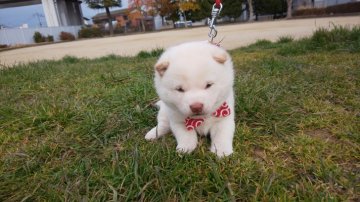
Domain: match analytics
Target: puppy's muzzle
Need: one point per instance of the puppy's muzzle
(197, 107)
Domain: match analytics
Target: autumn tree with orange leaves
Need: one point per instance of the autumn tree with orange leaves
(165, 8)
(104, 4)
(144, 7)
(186, 7)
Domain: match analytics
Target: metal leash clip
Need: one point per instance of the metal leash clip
(214, 13)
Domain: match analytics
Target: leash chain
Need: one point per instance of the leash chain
(215, 12)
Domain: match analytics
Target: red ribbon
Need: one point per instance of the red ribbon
(222, 111)
(217, 3)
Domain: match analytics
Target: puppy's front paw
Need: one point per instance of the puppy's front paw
(186, 148)
(221, 151)
(151, 135)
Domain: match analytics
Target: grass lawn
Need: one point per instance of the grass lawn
(73, 130)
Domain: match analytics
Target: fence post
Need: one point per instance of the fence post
(52, 33)
(74, 31)
(6, 37)
(23, 36)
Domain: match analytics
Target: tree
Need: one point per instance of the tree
(144, 7)
(165, 8)
(187, 7)
(251, 10)
(289, 8)
(232, 8)
(107, 4)
(270, 7)
(203, 11)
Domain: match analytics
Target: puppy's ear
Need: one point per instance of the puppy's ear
(220, 57)
(161, 67)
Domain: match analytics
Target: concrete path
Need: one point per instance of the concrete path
(235, 36)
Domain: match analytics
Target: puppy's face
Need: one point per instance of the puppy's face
(194, 78)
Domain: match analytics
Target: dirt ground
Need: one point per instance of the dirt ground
(235, 36)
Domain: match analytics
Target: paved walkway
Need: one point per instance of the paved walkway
(235, 36)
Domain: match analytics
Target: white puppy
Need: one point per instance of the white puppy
(195, 84)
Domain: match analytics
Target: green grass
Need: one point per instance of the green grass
(154, 53)
(73, 130)
(285, 39)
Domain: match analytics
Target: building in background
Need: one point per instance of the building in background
(62, 12)
(60, 15)
(57, 12)
(126, 19)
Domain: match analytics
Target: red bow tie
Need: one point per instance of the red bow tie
(222, 111)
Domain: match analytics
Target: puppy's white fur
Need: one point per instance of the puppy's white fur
(190, 67)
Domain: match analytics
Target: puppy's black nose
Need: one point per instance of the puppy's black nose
(197, 107)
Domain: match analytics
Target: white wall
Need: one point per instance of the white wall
(25, 36)
(157, 22)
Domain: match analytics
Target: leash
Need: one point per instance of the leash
(216, 9)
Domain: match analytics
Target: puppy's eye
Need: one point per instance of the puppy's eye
(208, 85)
(180, 89)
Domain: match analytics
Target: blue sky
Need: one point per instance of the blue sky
(15, 17)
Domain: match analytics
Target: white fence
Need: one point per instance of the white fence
(25, 35)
